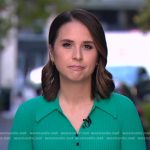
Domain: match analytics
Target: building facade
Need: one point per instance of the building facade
(114, 14)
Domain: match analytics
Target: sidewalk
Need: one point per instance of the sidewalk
(5, 126)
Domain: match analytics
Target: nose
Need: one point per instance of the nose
(77, 54)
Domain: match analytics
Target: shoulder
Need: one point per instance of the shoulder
(116, 105)
(29, 108)
(116, 100)
(124, 107)
(26, 114)
(122, 103)
(33, 102)
(120, 100)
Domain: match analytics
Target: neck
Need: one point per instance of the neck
(75, 93)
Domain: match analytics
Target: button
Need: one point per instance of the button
(76, 134)
(77, 144)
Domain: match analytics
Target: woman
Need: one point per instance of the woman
(78, 108)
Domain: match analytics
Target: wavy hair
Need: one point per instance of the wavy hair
(102, 83)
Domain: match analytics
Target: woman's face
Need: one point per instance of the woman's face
(74, 52)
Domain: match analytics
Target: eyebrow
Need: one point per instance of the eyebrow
(88, 42)
(71, 41)
(66, 40)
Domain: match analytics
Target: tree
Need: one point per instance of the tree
(4, 22)
(143, 18)
(4, 28)
(26, 14)
(33, 14)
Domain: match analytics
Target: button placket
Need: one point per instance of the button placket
(77, 144)
(77, 140)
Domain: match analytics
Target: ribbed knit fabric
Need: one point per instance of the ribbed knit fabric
(114, 125)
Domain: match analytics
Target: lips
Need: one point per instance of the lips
(76, 67)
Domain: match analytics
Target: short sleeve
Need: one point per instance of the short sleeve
(20, 138)
(132, 131)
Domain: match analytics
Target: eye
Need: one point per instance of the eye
(66, 45)
(88, 46)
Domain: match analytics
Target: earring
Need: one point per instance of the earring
(52, 62)
(52, 59)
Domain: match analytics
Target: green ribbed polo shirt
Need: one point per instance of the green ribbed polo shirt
(113, 123)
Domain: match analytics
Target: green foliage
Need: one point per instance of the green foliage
(33, 13)
(143, 18)
(2, 3)
(30, 14)
(5, 23)
(146, 112)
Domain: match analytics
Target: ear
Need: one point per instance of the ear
(51, 53)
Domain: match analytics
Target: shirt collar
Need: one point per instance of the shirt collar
(48, 107)
(106, 105)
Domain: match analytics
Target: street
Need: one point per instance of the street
(5, 126)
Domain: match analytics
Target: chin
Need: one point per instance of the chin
(79, 80)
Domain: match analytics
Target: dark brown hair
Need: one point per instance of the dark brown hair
(102, 83)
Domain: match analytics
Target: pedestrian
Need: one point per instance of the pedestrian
(78, 108)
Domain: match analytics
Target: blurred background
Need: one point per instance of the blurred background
(24, 29)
